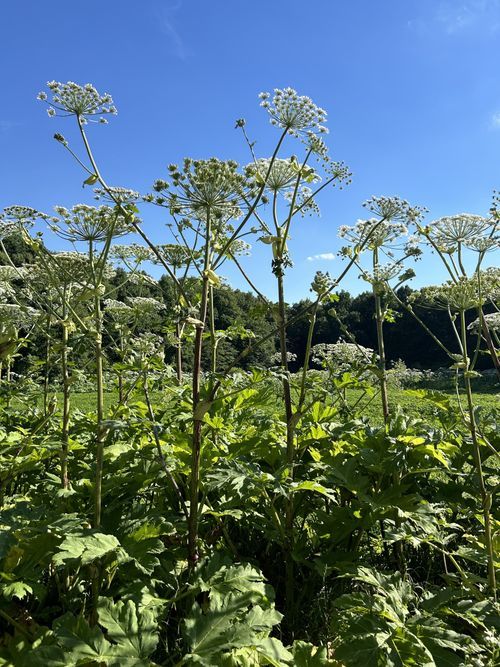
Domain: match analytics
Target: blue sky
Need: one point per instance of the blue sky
(412, 91)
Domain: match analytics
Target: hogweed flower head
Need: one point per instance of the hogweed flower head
(322, 283)
(82, 101)
(17, 315)
(21, 216)
(342, 357)
(293, 112)
(290, 357)
(373, 232)
(146, 303)
(116, 194)
(17, 219)
(490, 283)
(466, 229)
(66, 267)
(176, 256)
(133, 252)
(89, 223)
(456, 297)
(278, 174)
(492, 322)
(203, 186)
(118, 311)
(394, 209)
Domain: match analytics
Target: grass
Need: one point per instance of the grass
(411, 404)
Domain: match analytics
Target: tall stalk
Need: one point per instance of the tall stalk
(46, 367)
(382, 364)
(197, 411)
(485, 496)
(100, 436)
(66, 399)
(290, 455)
(213, 340)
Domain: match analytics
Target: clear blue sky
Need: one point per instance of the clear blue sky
(412, 89)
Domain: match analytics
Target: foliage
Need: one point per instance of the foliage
(255, 514)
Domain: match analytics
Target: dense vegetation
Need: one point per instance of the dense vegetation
(236, 501)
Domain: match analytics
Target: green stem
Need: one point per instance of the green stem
(66, 403)
(213, 342)
(379, 318)
(290, 456)
(197, 417)
(485, 496)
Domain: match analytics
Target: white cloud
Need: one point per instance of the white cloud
(167, 25)
(327, 256)
(7, 125)
(495, 120)
(455, 17)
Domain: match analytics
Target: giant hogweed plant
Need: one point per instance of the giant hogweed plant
(310, 489)
(462, 242)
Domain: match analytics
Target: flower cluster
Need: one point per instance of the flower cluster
(338, 170)
(374, 233)
(277, 174)
(452, 296)
(146, 304)
(394, 209)
(342, 357)
(322, 283)
(89, 223)
(83, 101)
(19, 316)
(133, 252)
(13, 219)
(492, 322)
(145, 346)
(8, 273)
(175, 255)
(290, 357)
(293, 112)
(490, 283)
(116, 194)
(382, 273)
(202, 187)
(464, 229)
(141, 278)
(119, 312)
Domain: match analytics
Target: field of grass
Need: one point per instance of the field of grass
(412, 405)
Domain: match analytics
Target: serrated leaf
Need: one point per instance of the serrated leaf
(80, 640)
(16, 589)
(135, 633)
(86, 547)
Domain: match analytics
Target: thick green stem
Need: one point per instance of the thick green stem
(46, 368)
(66, 405)
(194, 486)
(213, 341)
(178, 352)
(379, 318)
(485, 496)
(99, 398)
(290, 456)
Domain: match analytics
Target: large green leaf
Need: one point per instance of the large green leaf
(82, 642)
(135, 634)
(85, 547)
